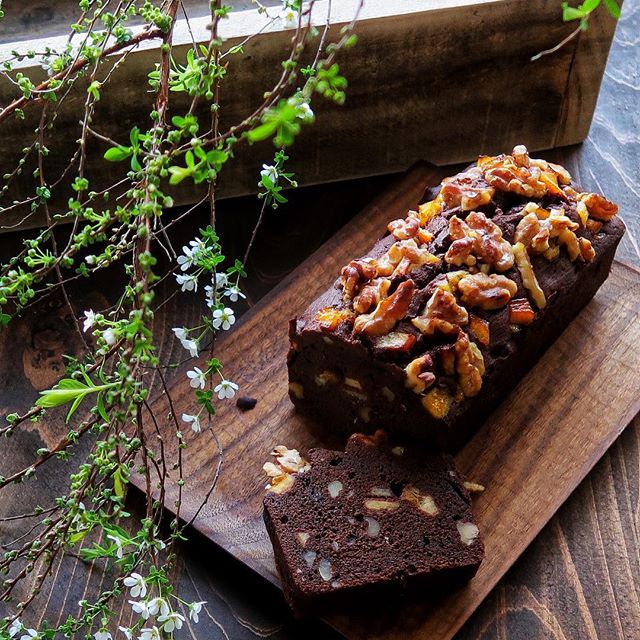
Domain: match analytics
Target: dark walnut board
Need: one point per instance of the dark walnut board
(531, 453)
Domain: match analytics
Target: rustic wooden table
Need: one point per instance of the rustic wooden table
(580, 579)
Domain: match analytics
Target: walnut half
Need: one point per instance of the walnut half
(387, 313)
(486, 292)
(441, 313)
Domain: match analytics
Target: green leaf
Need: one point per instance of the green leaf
(590, 5)
(74, 406)
(571, 13)
(116, 154)
(101, 408)
(613, 7)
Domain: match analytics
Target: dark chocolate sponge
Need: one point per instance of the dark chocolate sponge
(372, 522)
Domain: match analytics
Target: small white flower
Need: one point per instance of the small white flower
(141, 608)
(223, 318)
(128, 634)
(187, 343)
(306, 112)
(271, 172)
(197, 378)
(109, 336)
(15, 627)
(187, 282)
(194, 610)
(233, 293)
(90, 260)
(226, 389)
(89, 320)
(118, 544)
(194, 420)
(152, 633)
(29, 635)
(171, 621)
(159, 606)
(136, 584)
(221, 280)
(102, 635)
(185, 261)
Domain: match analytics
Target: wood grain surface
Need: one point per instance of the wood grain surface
(579, 579)
(563, 415)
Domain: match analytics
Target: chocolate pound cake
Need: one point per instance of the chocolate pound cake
(348, 528)
(430, 330)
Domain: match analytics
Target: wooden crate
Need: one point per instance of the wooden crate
(441, 80)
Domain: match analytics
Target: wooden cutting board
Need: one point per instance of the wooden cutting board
(530, 455)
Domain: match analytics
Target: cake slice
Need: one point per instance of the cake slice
(373, 521)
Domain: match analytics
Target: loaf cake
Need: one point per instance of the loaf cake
(431, 329)
(373, 522)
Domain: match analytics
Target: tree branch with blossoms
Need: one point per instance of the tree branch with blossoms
(104, 394)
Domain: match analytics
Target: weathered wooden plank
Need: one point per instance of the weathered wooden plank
(441, 81)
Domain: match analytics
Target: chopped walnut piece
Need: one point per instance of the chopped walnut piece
(593, 226)
(422, 501)
(469, 365)
(355, 274)
(473, 487)
(478, 237)
(598, 206)
(520, 312)
(288, 462)
(370, 294)
(528, 276)
(564, 177)
(419, 373)
(587, 252)
(396, 341)
(531, 234)
(479, 328)
(330, 317)
(437, 402)
(402, 257)
(404, 229)
(467, 190)
(486, 292)
(387, 313)
(441, 313)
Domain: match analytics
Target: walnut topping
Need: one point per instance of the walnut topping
(469, 365)
(404, 229)
(404, 256)
(387, 313)
(419, 373)
(468, 190)
(371, 294)
(280, 473)
(478, 237)
(528, 276)
(546, 235)
(598, 206)
(355, 274)
(587, 252)
(330, 317)
(520, 312)
(441, 313)
(486, 292)
(396, 341)
(503, 173)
